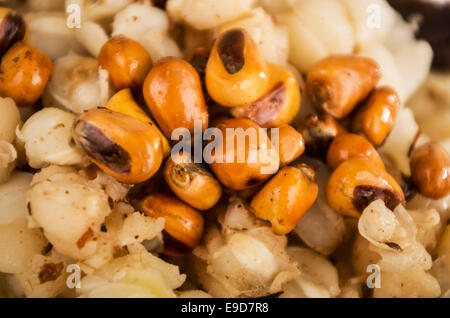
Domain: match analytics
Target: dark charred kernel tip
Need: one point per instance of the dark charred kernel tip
(103, 228)
(99, 146)
(363, 195)
(394, 246)
(47, 249)
(231, 50)
(29, 208)
(12, 30)
(50, 272)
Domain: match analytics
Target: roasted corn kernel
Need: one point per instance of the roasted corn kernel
(173, 93)
(251, 160)
(286, 197)
(191, 182)
(279, 105)
(347, 146)
(183, 227)
(12, 29)
(338, 83)
(24, 73)
(357, 182)
(124, 147)
(126, 61)
(318, 132)
(430, 170)
(123, 102)
(376, 117)
(236, 73)
(291, 144)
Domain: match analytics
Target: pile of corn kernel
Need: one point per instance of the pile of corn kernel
(96, 200)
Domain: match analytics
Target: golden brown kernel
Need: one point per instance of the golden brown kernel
(124, 103)
(24, 73)
(291, 144)
(173, 93)
(236, 73)
(126, 61)
(357, 182)
(191, 182)
(430, 170)
(183, 226)
(286, 197)
(338, 83)
(250, 162)
(377, 116)
(123, 146)
(347, 146)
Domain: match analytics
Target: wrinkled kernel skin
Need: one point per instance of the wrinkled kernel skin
(376, 117)
(430, 170)
(285, 199)
(336, 84)
(244, 175)
(12, 29)
(183, 223)
(137, 146)
(291, 144)
(279, 105)
(24, 73)
(126, 61)
(350, 174)
(318, 132)
(173, 93)
(236, 73)
(347, 146)
(192, 183)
